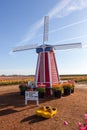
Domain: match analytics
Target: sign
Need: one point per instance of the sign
(31, 95)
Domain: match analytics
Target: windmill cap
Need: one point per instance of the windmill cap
(45, 48)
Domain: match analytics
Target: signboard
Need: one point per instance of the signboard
(31, 95)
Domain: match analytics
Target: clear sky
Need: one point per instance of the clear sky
(21, 23)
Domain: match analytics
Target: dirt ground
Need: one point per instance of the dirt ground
(15, 115)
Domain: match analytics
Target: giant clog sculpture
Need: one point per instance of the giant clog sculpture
(46, 111)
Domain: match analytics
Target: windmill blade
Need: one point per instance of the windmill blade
(46, 24)
(25, 47)
(67, 46)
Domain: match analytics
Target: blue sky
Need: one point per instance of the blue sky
(21, 23)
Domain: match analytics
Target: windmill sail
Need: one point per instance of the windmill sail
(46, 24)
(67, 46)
(25, 47)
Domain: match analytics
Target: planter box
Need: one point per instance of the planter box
(67, 91)
(22, 92)
(57, 94)
(23, 88)
(41, 94)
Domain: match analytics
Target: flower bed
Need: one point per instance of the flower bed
(68, 87)
(64, 88)
(57, 90)
(23, 87)
(41, 89)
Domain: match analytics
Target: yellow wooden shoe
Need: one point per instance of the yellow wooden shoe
(49, 113)
(46, 112)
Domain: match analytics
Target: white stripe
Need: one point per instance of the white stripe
(37, 69)
(50, 73)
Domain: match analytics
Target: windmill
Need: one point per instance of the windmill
(46, 69)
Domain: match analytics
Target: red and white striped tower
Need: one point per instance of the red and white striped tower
(46, 70)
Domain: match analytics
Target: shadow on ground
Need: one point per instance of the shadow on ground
(33, 119)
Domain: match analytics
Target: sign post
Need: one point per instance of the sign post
(31, 95)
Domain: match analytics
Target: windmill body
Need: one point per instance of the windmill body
(46, 69)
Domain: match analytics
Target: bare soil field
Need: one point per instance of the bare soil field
(15, 115)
